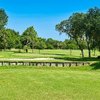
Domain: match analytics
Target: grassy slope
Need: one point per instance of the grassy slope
(41, 83)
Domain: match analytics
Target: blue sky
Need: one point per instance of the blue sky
(43, 14)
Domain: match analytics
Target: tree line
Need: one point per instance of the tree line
(29, 39)
(83, 28)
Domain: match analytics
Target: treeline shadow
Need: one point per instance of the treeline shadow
(78, 59)
(95, 66)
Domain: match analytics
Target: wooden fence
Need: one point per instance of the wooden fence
(53, 64)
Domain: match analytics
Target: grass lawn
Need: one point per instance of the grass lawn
(58, 55)
(45, 83)
(49, 83)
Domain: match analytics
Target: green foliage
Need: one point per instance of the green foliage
(54, 44)
(3, 34)
(41, 43)
(3, 39)
(84, 28)
(3, 18)
(73, 27)
(91, 27)
(29, 37)
(9, 39)
(13, 38)
(70, 44)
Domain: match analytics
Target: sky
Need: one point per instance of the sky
(43, 14)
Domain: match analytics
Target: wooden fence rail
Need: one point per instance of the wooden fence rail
(56, 64)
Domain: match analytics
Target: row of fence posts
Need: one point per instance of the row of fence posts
(57, 64)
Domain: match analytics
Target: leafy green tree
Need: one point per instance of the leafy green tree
(41, 44)
(3, 39)
(53, 44)
(8, 39)
(50, 43)
(63, 45)
(3, 18)
(92, 27)
(29, 37)
(3, 22)
(13, 38)
(73, 27)
(70, 44)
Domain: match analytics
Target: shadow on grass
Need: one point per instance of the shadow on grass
(52, 53)
(95, 66)
(78, 59)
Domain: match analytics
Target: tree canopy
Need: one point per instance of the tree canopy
(3, 18)
(83, 28)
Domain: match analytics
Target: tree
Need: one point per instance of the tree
(41, 43)
(92, 27)
(50, 43)
(29, 37)
(3, 21)
(3, 18)
(70, 44)
(3, 39)
(13, 38)
(96, 32)
(53, 44)
(73, 27)
(8, 39)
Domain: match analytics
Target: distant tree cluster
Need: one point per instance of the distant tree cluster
(30, 40)
(84, 28)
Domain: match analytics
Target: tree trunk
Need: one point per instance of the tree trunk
(32, 47)
(4, 48)
(80, 47)
(99, 48)
(89, 53)
(26, 50)
(32, 50)
(89, 50)
(39, 51)
(94, 52)
(88, 46)
(70, 52)
(19, 50)
(82, 52)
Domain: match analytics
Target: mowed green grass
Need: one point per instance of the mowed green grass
(45, 83)
(58, 55)
(37, 53)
